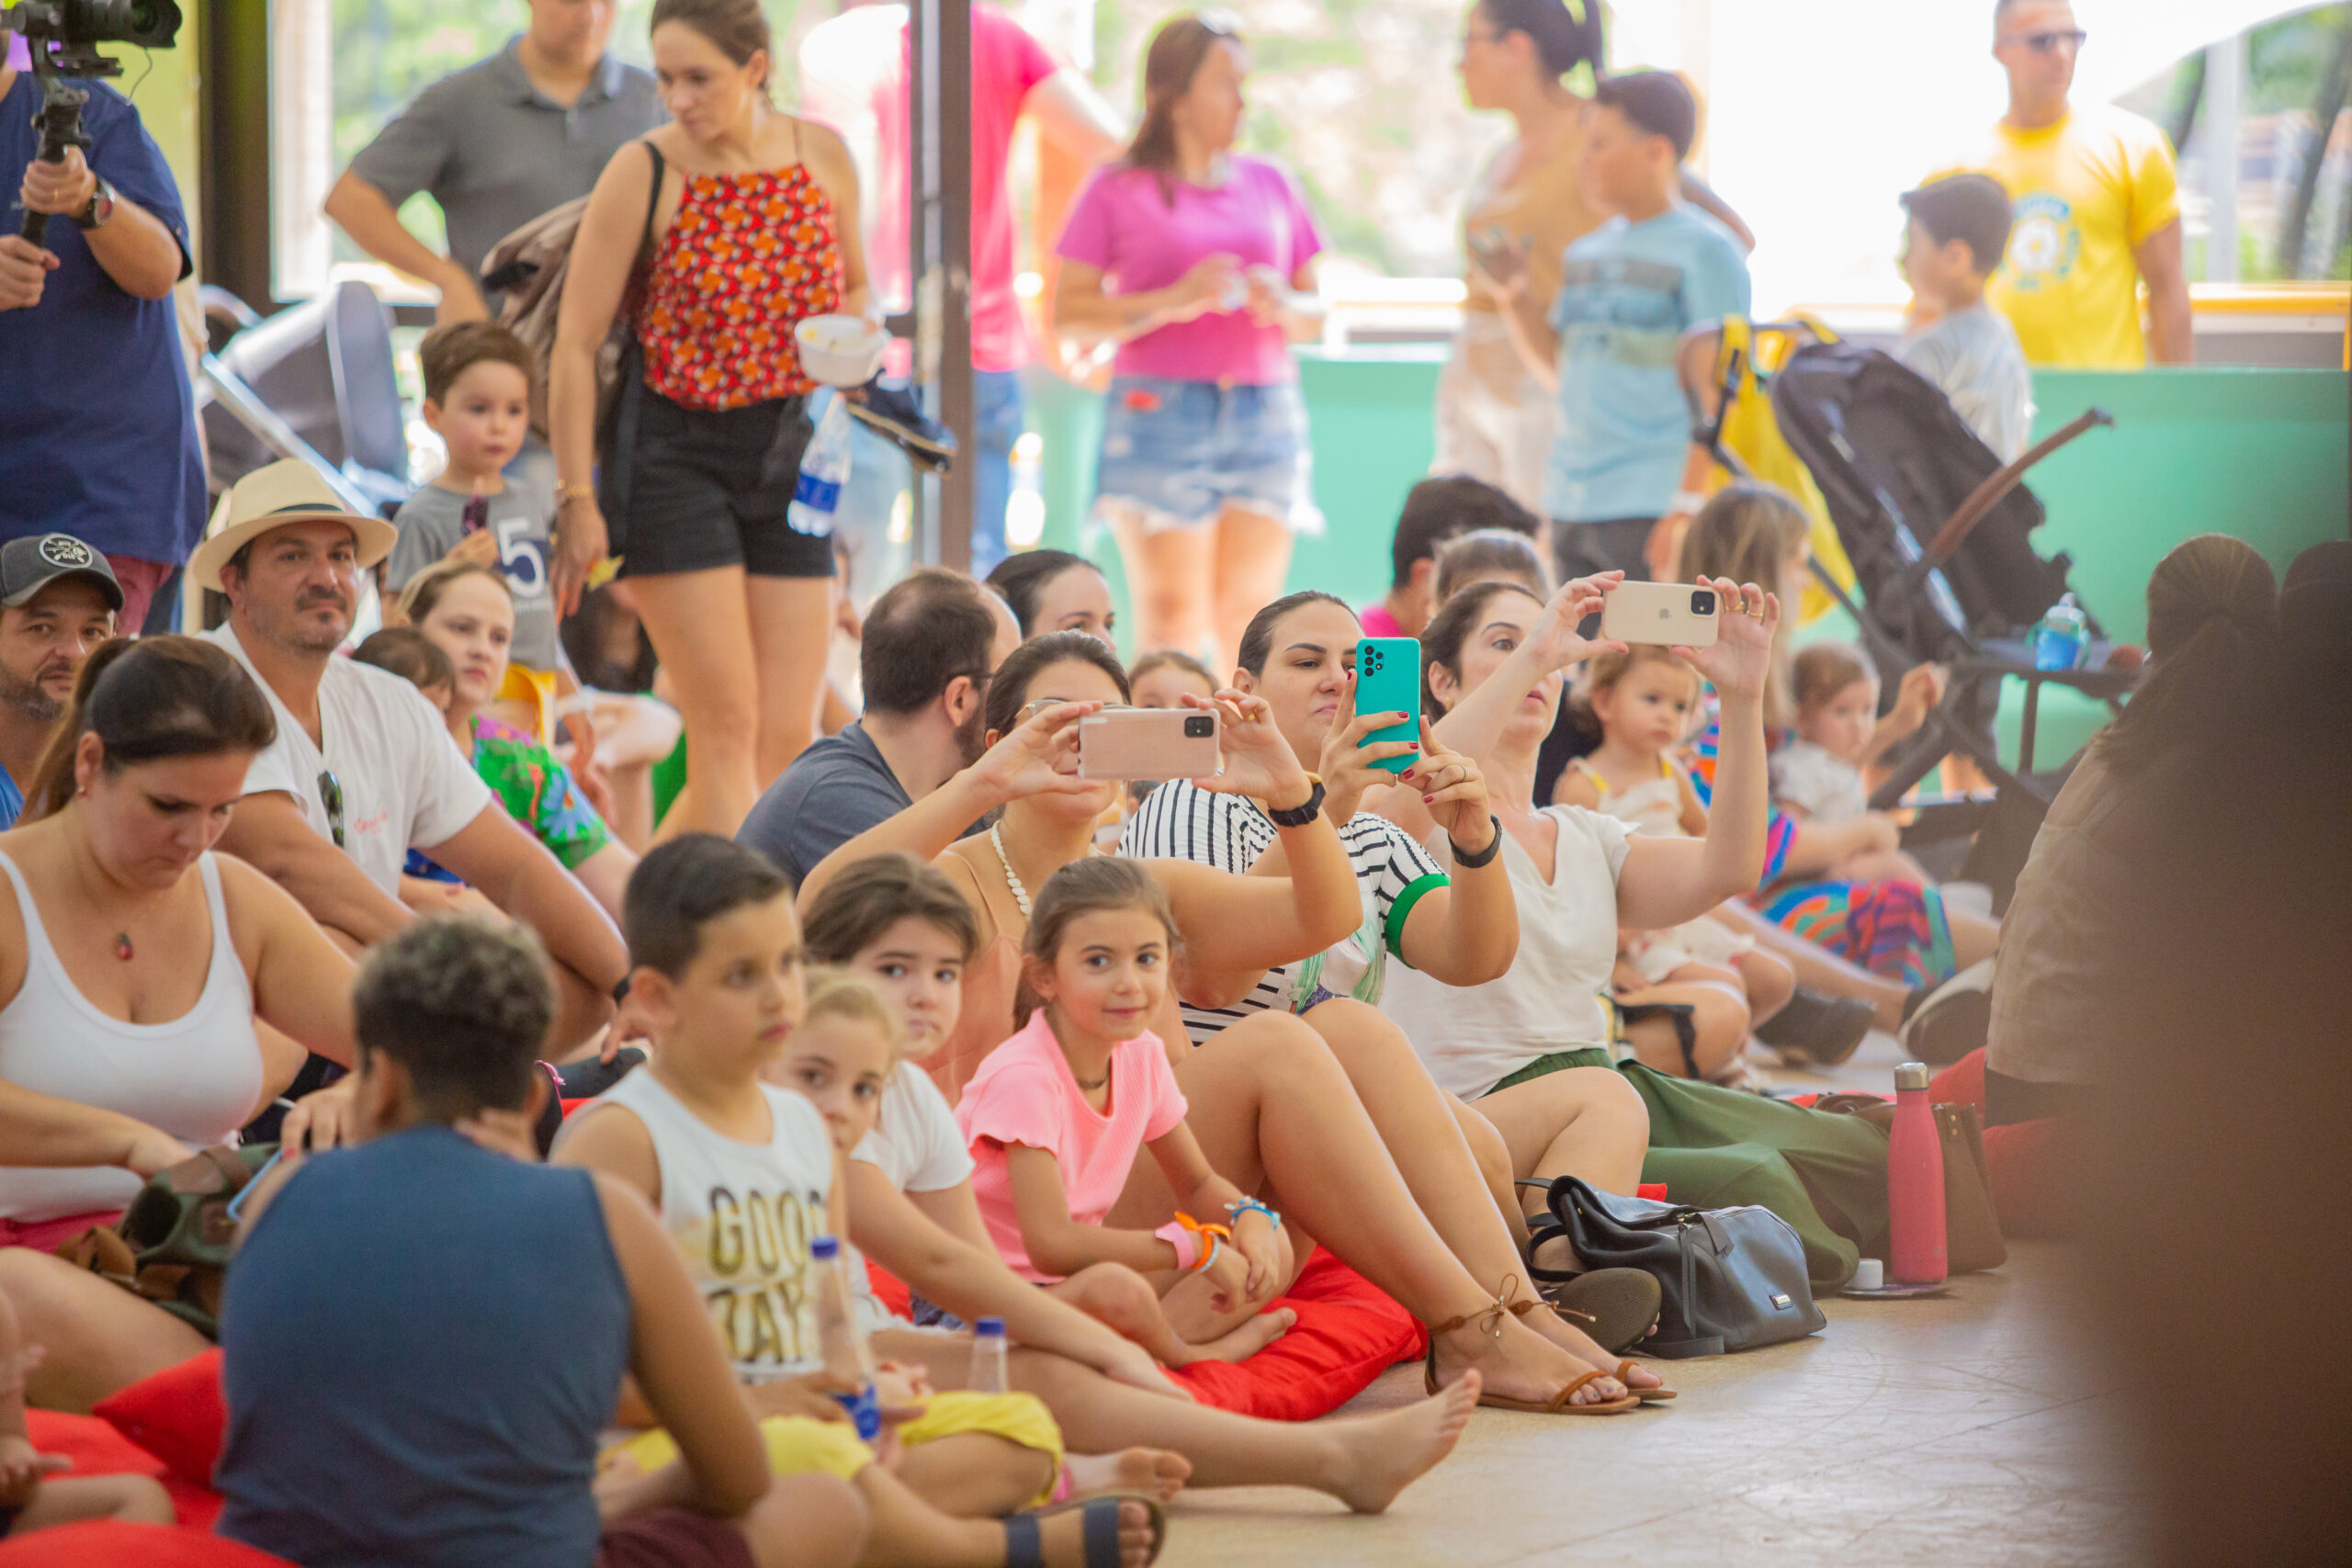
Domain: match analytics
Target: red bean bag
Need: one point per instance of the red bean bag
(1348, 1333)
(97, 1449)
(177, 1414)
(1962, 1083)
(110, 1545)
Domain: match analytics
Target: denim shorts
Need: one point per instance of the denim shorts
(1181, 451)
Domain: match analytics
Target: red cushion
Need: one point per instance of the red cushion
(97, 1449)
(1348, 1333)
(1962, 1083)
(107, 1544)
(177, 1414)
(890, 1291)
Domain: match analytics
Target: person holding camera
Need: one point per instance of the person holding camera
(101, 418)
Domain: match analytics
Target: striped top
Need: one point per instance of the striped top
(1182, 821)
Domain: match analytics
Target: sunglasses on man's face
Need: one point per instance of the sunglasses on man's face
(2051, 42)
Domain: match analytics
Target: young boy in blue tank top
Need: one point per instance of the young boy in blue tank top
(745, 1175)
(485, 1311)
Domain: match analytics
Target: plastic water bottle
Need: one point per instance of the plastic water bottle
(1915, 1184)
(988, 1357)
(847, 1358)
(824, 468)
(2059, 641)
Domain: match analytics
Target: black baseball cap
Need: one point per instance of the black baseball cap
(32, 563)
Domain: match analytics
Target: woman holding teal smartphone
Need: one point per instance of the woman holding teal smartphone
(1303, 654)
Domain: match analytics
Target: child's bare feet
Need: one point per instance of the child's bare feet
(1155, 1473)
(1253, 1335)
(1379, 1456)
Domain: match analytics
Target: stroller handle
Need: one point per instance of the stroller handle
(1986, 496)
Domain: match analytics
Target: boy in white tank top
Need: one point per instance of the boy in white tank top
(746, 1175)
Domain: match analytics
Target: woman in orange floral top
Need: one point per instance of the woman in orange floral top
(754, 228)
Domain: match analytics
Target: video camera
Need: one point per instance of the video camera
(63, 37)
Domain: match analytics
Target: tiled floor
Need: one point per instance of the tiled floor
(1956, 1429)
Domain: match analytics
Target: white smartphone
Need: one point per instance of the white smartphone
(1148, 743)
(1675, 613)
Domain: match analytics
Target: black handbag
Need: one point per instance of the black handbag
(1730, 1279)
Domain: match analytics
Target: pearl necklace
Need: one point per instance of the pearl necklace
(1012, 877)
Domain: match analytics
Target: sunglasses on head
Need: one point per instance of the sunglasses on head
(2049, 42)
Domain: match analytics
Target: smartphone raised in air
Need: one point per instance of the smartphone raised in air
(1388, 680)
(1148, 743)
(1675, 613)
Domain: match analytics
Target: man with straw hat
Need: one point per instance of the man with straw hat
(363, 770)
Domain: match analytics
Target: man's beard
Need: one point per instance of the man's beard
(297, 635)
(29, 698)
(972, 735)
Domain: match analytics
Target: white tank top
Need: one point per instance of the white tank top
(742, 1216)
(198, 1077)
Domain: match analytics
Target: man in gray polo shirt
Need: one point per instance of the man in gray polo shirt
(496, 145)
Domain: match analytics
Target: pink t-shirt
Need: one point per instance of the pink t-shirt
(1123, 225)
(853, 75)
(1377, 622)
(1024, 1093)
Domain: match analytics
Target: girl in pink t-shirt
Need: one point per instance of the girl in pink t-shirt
(1198, 262)
(1057, 1114)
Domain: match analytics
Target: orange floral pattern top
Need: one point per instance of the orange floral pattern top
(746, 257)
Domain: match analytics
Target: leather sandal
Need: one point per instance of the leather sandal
(1490, 1322)
(1646, 1395)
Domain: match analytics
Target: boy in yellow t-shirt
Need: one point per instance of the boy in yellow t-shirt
(2097, 210)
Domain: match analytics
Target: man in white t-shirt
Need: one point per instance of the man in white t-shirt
(363, 769)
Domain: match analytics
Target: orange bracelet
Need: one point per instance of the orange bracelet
(1214, 1232)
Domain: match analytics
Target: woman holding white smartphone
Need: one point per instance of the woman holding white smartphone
(1493, 661)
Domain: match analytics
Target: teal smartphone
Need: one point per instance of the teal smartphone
(1388, 680)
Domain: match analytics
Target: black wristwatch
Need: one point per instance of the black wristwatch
(1465, 861)
(1300, 815)
(101, 208)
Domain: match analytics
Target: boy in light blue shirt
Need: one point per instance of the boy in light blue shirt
(1623, 459)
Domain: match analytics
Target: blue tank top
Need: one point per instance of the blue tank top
(422, 1341)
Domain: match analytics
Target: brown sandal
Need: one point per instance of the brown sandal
(1490, 1322)
(1646, 1395)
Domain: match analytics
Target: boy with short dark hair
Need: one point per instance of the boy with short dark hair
(1960, 227)
(1623, 463)
(478, 400)
(1437, 509)
(483, 1311)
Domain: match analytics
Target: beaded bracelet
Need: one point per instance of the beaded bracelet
(1252, 1206)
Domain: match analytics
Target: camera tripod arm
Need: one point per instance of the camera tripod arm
(60, 119)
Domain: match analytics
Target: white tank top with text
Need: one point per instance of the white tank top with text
(743, 1215)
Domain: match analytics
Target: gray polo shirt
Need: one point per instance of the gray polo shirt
(495, 152)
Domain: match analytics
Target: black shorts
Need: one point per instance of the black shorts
(1580, 550)
(712, 488)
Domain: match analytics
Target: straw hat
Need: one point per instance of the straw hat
(284, 493)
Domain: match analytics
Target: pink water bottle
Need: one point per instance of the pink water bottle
(1915, 1184)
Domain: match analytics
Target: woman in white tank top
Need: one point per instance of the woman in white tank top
(133, 965)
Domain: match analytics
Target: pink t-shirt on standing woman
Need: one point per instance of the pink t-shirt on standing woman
(1025, 1093)
(1123, 225)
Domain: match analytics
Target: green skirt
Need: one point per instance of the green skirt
(1717, 1149)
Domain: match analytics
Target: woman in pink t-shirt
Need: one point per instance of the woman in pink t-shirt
(1057, 1114)
(1198, 262)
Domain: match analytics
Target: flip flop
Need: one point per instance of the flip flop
(1491, 1321)
(1615, 1306)
(1024, 1544)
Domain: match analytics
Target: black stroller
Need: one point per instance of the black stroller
(1940, 534)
